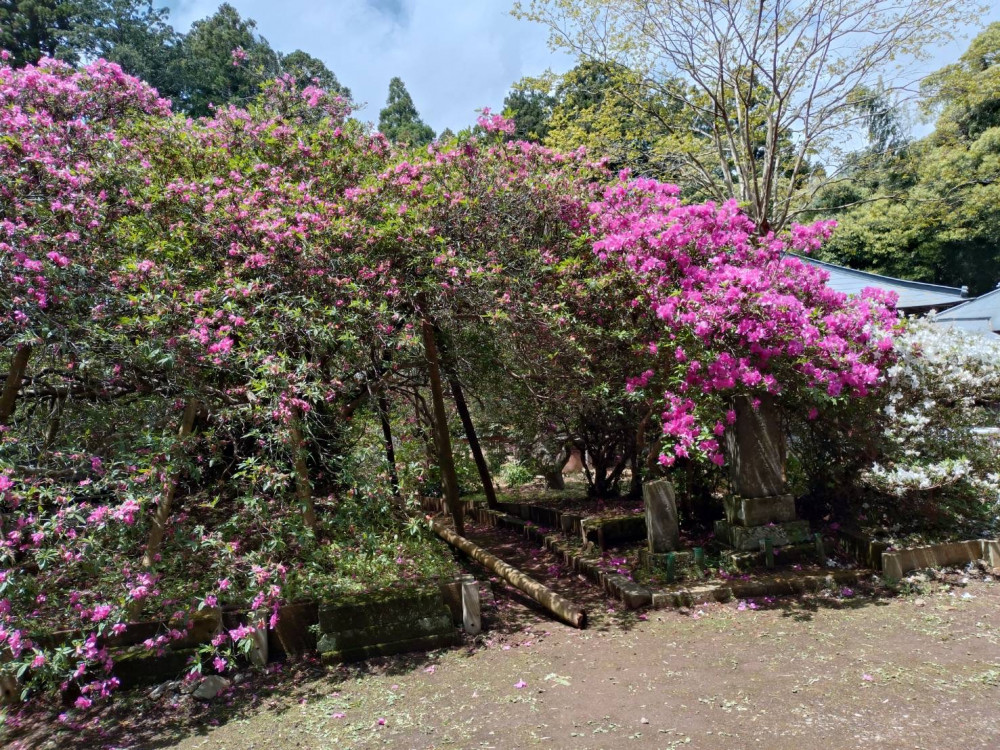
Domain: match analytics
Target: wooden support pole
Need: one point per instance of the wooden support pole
(390, 450)
(442, 440)
(8, 398)
(562, 608)
(159, 526)
(477, 452)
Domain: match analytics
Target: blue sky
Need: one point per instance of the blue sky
(455, 56)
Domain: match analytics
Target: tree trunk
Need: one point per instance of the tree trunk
(635, 489)
(554, 479)
(640, 446)
(390, 451)
(585, 463)
(441, 437)
(477, 451)
(159, 526)
(18, 366)
(553, 470)
(303, 487)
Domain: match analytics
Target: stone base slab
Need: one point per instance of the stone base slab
(758, 511)
(658, 560)
(744, 560)
(692, 597)
(750, 537)
(422, 643)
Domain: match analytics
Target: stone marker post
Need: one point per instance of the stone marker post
(471, 619)
(662, 531)
(755, 448)
(258, 651)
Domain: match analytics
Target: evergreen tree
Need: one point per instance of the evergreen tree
(221, 60)
(611, 112)
(305, 67)
(931, 210)
(530, 104)
(224, 60)
(30, 29)
(138, 37)
(399, 120)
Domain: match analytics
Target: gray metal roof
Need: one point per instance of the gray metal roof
(914, 296)
(980, 314)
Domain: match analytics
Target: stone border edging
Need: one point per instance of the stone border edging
(635, 596)
(863, 549)
(899, 562)
(867, 552)
(291, 637)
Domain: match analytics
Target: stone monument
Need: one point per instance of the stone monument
(760, 507)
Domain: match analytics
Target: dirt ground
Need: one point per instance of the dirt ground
(842, 669)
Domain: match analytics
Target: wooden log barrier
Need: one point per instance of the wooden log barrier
(562, 608)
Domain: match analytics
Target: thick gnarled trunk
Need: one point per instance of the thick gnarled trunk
(11, 387)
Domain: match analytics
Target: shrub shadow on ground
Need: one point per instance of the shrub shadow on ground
(135, 720)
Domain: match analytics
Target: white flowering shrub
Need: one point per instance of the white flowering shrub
(939, 460)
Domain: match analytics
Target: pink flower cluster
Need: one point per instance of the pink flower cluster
(493, 123)
(60, 154)
(737, 312)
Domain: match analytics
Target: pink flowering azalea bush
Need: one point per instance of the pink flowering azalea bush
(733, 313)
(486, 237)
(204, 264)
(222, 332)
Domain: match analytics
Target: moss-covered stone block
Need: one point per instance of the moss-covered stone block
(379, 608)
(385, 623)
(137, 666)
(610, 532)
(657, 561)
(743, 560)
(390, 648)
(402, 630)
(750, 537)
(294, 632)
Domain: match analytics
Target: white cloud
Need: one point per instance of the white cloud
(455, 56)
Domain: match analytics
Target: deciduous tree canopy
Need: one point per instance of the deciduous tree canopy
(930, 210)
(767, 86)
